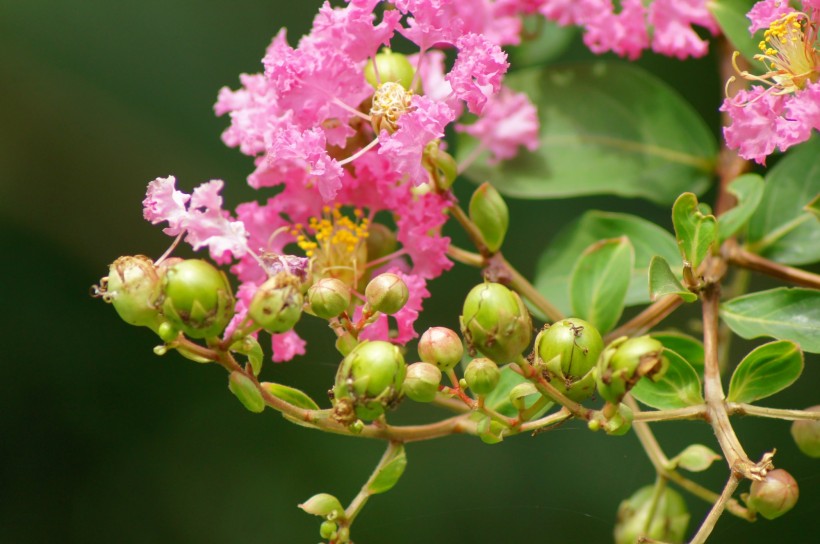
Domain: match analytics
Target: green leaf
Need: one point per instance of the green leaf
(766, 370)
(249, 346)
(731, 18)
(599, 282)
(813, 207)
(324, 505)
(556, 263)
(499, 398)
(686, 346)
(695, 231)
(290, 395)
(606, 128)
(662, 281)
(748, 189)
(389, 473)
(781, 229)
(245, 390)
(695, 458)
(679, 387)
(783, 313)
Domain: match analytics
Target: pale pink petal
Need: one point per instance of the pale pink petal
(164, 203)
(766, 12)
(286, 346)
(754, 115)
(478, 70)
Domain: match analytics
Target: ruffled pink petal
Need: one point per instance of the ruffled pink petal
(286, 346)
(766, 12)
(478, 70)
(164, 203)
(754, 114)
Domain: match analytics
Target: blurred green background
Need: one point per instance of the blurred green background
(101, 441)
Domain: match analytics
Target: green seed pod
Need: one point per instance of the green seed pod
(668, 524)
(328, 297)
(422, 382)
(198, 298)
(133, 286)
(246, 391)
(626, 362)
(482, 376)
(496, 322)
(806, 434)
(442, 347)
(490, 214)
(566, 353)
(387, 293)
(775, 495)
(392, 67)
(370, 378)
(277, 304)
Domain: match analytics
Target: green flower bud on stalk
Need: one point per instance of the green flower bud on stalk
(668, 524)
(328, 297)
(441, 165)
(381, 241)
(133, 286)
(198, 298)
(566, 353)
(806, 434)
(490, 214)
(246, 391)
(442, 347)
(627, 362)
(167, 332)
(327, 529)
(775, 495)
(370, 380)
(422, 382)
(277, 304)
(387, 293)
(482, 376)
(392, 67)
(496, 322)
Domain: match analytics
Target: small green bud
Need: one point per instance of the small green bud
(370, 378)
(626, 362)
(198, 298)
(277, 304)
(441, 164)
(482, 376)
(133, 287)
(490, 214)
(422, 382)
(490, 431)
(442, 347)
(496, 322)
(775, 495)
(381, 241)
(328, 297)
(387, 293)
(246, 391)
(327, 529)
(668, 524)
(806, 434)
(566, 353)
(392, 67)
(167, 332)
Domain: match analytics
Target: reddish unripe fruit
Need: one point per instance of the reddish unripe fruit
(442, 347)
(775, 495)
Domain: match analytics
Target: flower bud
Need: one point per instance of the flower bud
(327, 529)
(387, 293)
(442, 166)
(442, 347)
(775, 495)
(806, 434)
(328, 297)
(566, 353)
(277, 304)
(668, 524)
(133, 286)
(381, 241)
(370, 378)
(490, 214)
(198, 298)
(482, 376)
(496, 322)
(392, 67)
(422, 381)
(628, 361)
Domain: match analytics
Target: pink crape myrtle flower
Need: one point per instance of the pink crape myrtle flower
(783, 107)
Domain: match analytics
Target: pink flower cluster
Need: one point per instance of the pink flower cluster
(308, 122)
(665, 26)
(783, 108)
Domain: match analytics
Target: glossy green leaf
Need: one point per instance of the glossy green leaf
(290, 395)
(748, 189)
(245, 390)
(662, 281)
(249, 346)
(696, 232)
(813, 207)
(606, 128)
(556, 263)
(686, 346)
(783, 313)
(781, 229)
(731, 18)
(679, 387)
(599, 282)
(324, 505)
(766, 370)
(499, 398)
(695, 458)
(389, 473)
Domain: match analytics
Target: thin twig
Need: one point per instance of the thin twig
(648, 318)
(709, 523)
(739, 256)
(741, 409)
